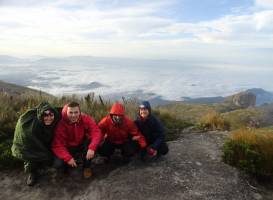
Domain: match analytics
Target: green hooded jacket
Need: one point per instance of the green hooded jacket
(32, 139)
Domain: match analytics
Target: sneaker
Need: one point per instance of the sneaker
(31, 179)
(87, 172)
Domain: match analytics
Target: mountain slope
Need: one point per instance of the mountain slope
(16, 90)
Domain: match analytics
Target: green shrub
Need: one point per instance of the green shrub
(251, 150)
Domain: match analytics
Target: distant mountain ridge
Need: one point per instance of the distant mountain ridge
(87, 61)
(205, 100)
(262, 97)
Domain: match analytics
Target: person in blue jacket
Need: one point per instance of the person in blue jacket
(152, 130)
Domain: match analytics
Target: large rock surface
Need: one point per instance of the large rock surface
(192, 170)
(243, 99)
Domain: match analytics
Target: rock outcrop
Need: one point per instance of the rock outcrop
(243, 99)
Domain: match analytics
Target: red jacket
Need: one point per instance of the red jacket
(119, 133)
(72, 134)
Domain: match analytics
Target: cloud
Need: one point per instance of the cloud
(265, 4)
(130, 29)
(264, 21)
(47, 23)
(25, 3)
(248, 30)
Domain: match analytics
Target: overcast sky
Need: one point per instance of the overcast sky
(224, 31)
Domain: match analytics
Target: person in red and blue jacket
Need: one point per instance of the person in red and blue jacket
(152, 130)
(76, 134)
(120, 132)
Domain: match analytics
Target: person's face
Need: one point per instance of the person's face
(48, 117)
(117, 119)
(144, 112)
(73, 114)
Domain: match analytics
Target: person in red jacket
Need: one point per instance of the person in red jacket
(119, 132)
(76, 133)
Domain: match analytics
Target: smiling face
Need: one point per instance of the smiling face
(48, 117)
(73, 114)
(143, 112)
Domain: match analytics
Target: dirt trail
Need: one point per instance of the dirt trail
(192, 170)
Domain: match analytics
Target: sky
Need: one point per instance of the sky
(233, 32)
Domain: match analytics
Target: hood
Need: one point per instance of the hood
(42, 107)
(145, 104)
(64, 113)
(117, 109)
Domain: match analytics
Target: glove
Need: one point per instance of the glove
(151, 151)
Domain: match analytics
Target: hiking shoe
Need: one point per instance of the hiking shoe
(87, 172)
(31, 179)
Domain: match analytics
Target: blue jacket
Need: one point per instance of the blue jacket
(152, 130)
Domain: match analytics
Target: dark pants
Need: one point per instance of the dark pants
(128, 149)
(79, 155)
(163, 149)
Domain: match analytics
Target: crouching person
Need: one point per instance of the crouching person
(120, 132)
(76, 135)
(152, 130)
(32, 139)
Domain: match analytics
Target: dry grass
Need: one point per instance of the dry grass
(214, 121)
(251, 150)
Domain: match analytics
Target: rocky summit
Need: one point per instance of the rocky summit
(192, 170)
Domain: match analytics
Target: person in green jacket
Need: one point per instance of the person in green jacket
(33, 135)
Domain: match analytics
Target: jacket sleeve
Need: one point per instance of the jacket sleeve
(94, 134)
(59, 144)
(103, 126)
(134, 132)
(159, 129)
